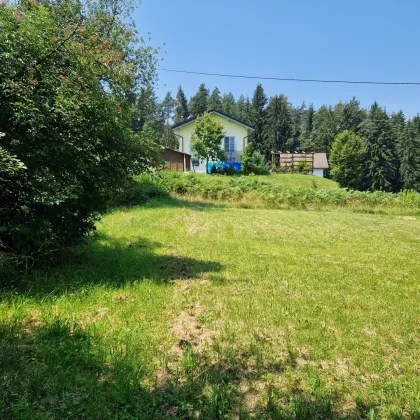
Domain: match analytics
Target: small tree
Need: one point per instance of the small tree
(207, 140)
(253, 162)
(347, 158)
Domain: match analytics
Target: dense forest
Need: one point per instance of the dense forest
(381, 151)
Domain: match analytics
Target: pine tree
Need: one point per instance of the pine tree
(181, 109)
(325, 129)
(258, 113)
(308, 120)
(380, 170)
(146, 109)
(241, 111)
(351, 116)
(409, 157)
(228, 104)
(199, 102)
(279, 125)
(215, 100)
(166, 110)
(297, 127)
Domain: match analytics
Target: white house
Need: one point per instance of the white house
(236, 137)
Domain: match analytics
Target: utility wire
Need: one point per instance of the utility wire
(291, 79)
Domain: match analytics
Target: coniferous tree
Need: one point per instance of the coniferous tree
(297, 113)
(166, 111)
(380, 171)
(279, 125)
(215, 100)
(181, 108)
(199, 102)
(228, 104)
(146, 109)
(308, 120)
(409, 157)
(258, 113)
(241, 110)
(325, 129)
(351, 116)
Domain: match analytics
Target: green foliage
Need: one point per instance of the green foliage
(12, 184)
(198, 104)
(228, 104)
(266, 192)
(69, 74)
(380, 172)
(215, 100)
(207, 140)
(253, 162)
(181, 108)
(347, 160)
(258, 113)
(409, 155)
(278, 128)
(325, 130)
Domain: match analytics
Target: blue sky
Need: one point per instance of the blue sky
(358, 40)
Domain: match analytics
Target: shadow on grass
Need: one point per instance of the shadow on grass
(59, 370)
(112, 263)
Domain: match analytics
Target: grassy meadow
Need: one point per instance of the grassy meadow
(188, 309)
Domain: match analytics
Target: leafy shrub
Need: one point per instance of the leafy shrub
(253, 162)
(66, 113)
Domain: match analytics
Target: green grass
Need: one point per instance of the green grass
(286, 191)
(181, 308)
(281, 180)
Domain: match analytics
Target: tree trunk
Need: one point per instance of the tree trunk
(207, 166)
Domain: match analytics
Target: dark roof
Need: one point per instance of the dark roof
(173, 150)
(189, 120)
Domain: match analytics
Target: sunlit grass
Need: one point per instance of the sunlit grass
(185, 309)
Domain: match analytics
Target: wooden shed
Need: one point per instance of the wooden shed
(176, 160)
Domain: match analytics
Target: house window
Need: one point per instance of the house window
(229, 144)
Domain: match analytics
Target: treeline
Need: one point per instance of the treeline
(388, 146)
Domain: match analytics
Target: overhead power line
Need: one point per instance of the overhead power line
(292, 79)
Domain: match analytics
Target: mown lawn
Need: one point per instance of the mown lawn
(187, 309)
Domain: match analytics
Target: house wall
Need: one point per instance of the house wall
(231, 129)
(318, 172)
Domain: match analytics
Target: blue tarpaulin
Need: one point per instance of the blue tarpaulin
(222, 165)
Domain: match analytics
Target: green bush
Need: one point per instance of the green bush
(253, 162)
(66, 113)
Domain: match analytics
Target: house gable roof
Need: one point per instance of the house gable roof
(215, 111)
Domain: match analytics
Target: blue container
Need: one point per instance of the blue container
(222, 165)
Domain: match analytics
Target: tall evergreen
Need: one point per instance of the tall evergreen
(147, 110)
(279, 125)
(198, 104)
(325, 129)
(241, 109)
(308, 123)
(166, 111)
(351, 116)
(215, 100)
(297, 127)
(258, 113)
(181, 108)
(409, 156)
(380, 170)
(229, 104)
